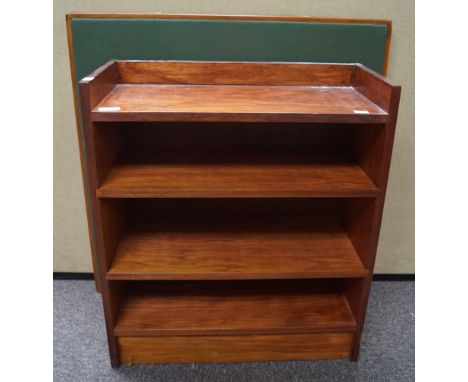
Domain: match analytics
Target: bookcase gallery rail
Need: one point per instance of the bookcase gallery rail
(236, 205)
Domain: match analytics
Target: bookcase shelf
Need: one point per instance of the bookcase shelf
(236, 206)
(239, 103)
(221, 307)
(142, 174)
(236, 248)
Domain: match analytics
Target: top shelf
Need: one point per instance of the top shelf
(236, 92)
(241, 103)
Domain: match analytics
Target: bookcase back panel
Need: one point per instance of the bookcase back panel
(232, 135)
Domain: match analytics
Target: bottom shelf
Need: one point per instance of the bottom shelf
(193, 308)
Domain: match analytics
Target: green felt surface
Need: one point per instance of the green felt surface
(95, 41)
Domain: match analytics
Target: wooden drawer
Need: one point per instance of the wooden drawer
(137, 350)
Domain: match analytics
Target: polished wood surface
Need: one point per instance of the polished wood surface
(138, 350)
(234, 73)
(101, 82)
(230, 247)
(241, 103)
(182, 173)
(228, 307)
(385, 155)
(89, 95)
(372, 85)
(112, 215)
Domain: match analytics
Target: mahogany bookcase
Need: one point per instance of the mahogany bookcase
(236, 206)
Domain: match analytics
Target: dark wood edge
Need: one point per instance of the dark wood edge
(91, 91)
(305, 63)
(344, 327)
(95, 74)
(387, 47)
(110, 276)
(81, 147)
(394, 102)
(100, 82)
(93, 15)
(376, 277)
(374, 86)
(379, 76)
(97, 116)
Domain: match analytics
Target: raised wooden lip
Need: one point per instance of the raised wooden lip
(70, 16)
(353, 65)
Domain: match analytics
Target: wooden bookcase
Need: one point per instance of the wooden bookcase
(236, 206)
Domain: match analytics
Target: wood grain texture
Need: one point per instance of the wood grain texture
(138, 350)
(157, 173)
(107, 144)
(233, 307)
(367, 144)
(376, 221)
(249, 247)
(240, 103)
(112, 215)
(101, 82)
(357, 216)
(98, 220)
(387, 46)
(373, 86)
(234, 73)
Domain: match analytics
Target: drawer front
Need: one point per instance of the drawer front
(170, 349)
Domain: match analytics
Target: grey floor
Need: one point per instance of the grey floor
(387, 349)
